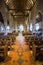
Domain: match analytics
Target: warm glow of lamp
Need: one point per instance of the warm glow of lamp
(37, 16)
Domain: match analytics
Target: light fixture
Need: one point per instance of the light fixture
(37, 16)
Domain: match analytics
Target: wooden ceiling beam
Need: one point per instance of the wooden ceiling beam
(21, 9)
(21, 15)
(24, 9)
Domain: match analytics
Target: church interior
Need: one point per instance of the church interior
(21, 32)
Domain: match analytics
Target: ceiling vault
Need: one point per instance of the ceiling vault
(23, 6)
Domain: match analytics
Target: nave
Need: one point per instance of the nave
(21, 32)
(19, 55)
(14, 53)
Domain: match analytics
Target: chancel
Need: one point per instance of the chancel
(21, 32)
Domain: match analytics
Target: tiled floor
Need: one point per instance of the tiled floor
(20, 55)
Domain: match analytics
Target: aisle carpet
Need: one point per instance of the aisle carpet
(19, 55)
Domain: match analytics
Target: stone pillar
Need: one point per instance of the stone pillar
(3, 11)
(15, 24)
(29, 19)
(26, 23)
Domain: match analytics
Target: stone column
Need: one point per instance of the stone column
(15, 24)
(26, 23)
(29, 19)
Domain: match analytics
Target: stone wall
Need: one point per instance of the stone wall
(37, 7)
(6, 14)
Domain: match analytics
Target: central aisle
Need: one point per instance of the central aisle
(20, 55)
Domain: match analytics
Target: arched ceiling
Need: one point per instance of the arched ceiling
(20, 6)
